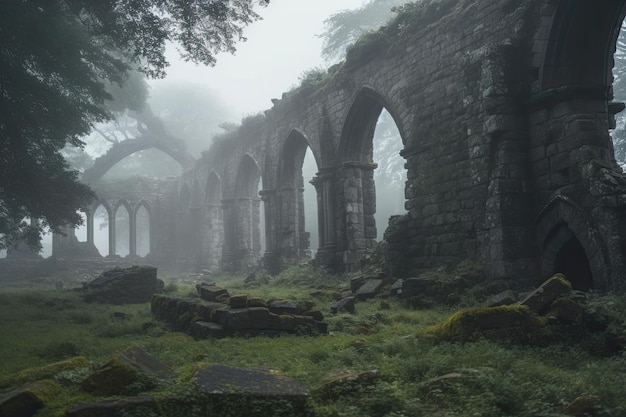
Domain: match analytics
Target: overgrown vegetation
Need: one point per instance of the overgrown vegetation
(381, 361)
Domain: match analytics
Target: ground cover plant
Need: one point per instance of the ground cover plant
(380, 361)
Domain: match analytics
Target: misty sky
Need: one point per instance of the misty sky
(279, 49)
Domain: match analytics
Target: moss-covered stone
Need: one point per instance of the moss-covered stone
(26, 400)
(346, 383)
(542, 298)
(515, 323)
(132, 370)
(131, 285)
(47, 371)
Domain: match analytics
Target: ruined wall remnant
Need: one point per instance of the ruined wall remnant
(504, 108)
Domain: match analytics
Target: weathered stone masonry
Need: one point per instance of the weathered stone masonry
(504, 108)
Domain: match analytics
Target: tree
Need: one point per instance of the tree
(345, 27)
(56, 57)
(190, 111)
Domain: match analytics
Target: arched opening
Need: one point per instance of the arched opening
(80, 232)
(122, 229)
(390, 177)
(133, 157)
(365, 213)
(564, 253)
(297, 198)
(101, 230)
(46, 243)
(260, 233)
(248, 226)
(142, 227)
(572, 261)
(311, 222)
(618, 133)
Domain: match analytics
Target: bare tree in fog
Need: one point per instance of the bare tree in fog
(54, 59)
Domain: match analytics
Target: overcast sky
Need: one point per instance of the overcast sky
(279, 49)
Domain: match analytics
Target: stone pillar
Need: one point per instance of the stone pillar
(194, 238)
(230, 232)
(90, 228)
(289, 228)
(359, 206)
(324, 183)
(132, 233)
(272, 218)
(326, 199)
(247, 244)
(258, 225)
(112, 250)
(213, 237)
(304, 243)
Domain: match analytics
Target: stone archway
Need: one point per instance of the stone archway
(357, 194)
(244, 233)
(571, 244)
(291, 237)
(128, 147)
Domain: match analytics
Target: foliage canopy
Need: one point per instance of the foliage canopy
(56, 59)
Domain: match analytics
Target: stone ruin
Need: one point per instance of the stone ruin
(217, 314)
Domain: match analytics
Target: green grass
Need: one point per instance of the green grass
(484, 378)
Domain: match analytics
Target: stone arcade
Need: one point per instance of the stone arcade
(504, 108)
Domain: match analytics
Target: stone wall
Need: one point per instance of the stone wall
(504, 109)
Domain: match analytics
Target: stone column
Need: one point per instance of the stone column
(359, 198)
(246, 238)
(271, 257)
(324, 186)
(90, 229)
(213, 237)
(324, 183)
(304, 243)
(230, 232)
(132, 233)
(112, 250)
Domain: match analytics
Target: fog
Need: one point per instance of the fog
(278, 50)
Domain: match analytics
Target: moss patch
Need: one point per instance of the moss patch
(514, 323)
(47, 371)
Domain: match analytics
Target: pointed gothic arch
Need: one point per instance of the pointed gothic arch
(291, 237)
(246, 226)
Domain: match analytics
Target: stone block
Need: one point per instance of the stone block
(285, 307)
(256, 302)
(115, 408)
(501, 299)
(234, 319)
(27, 399)
(369, 289)
(212, 293)
(131, 366)
(542, 298)
(260, 319)
(131, 285)
(238, 301)
(241, 390)
(344, 305)
(207, 329)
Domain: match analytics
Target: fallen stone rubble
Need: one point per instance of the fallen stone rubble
(217, 314)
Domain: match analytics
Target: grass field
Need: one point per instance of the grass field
(416, 375)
